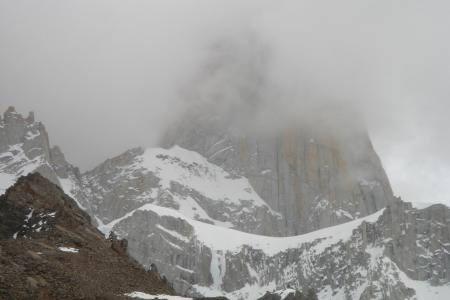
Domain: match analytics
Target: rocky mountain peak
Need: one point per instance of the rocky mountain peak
(25, 148)
(30, 118)
(16, 130)
(10, 112)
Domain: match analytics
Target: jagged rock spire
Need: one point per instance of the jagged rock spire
(25, 147)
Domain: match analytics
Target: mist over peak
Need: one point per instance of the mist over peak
(139, 65)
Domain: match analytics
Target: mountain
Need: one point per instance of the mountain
(212, 228)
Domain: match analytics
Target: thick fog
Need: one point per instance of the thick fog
(105, 76)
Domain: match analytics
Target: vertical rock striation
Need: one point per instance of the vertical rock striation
(314, 177)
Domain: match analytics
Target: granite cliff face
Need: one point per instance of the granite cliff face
(315, 178)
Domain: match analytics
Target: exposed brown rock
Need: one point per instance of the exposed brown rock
(36, 218)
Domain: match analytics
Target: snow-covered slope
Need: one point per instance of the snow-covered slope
(224, 239)
(182, 180)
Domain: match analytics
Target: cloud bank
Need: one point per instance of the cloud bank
(108, 75)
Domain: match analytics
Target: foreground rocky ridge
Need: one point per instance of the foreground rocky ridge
(49, 250)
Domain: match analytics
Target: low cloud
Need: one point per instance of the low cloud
(106, 76)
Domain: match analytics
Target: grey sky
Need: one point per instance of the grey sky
(105, 76)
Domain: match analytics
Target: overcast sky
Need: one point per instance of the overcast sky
(105, 76)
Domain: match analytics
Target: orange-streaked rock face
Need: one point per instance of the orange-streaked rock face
(315, 177)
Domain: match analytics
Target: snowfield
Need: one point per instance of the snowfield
(226, 239)
(140, 295)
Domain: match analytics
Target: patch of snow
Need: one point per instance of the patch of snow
(191, 169)
(184, 269)
(29, 216)
(191, 209)
(284, 293)
(174, 234)
(265, 172)
(340, 212)
(51, 215)
(6, 180)
(371, 184)
(171, 244)
(221, 151)
(69, 187)
(30, 135)
(140, 295)
(322, 204)
(68, 249)
(219, 142)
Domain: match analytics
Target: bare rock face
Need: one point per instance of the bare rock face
(314, 177)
